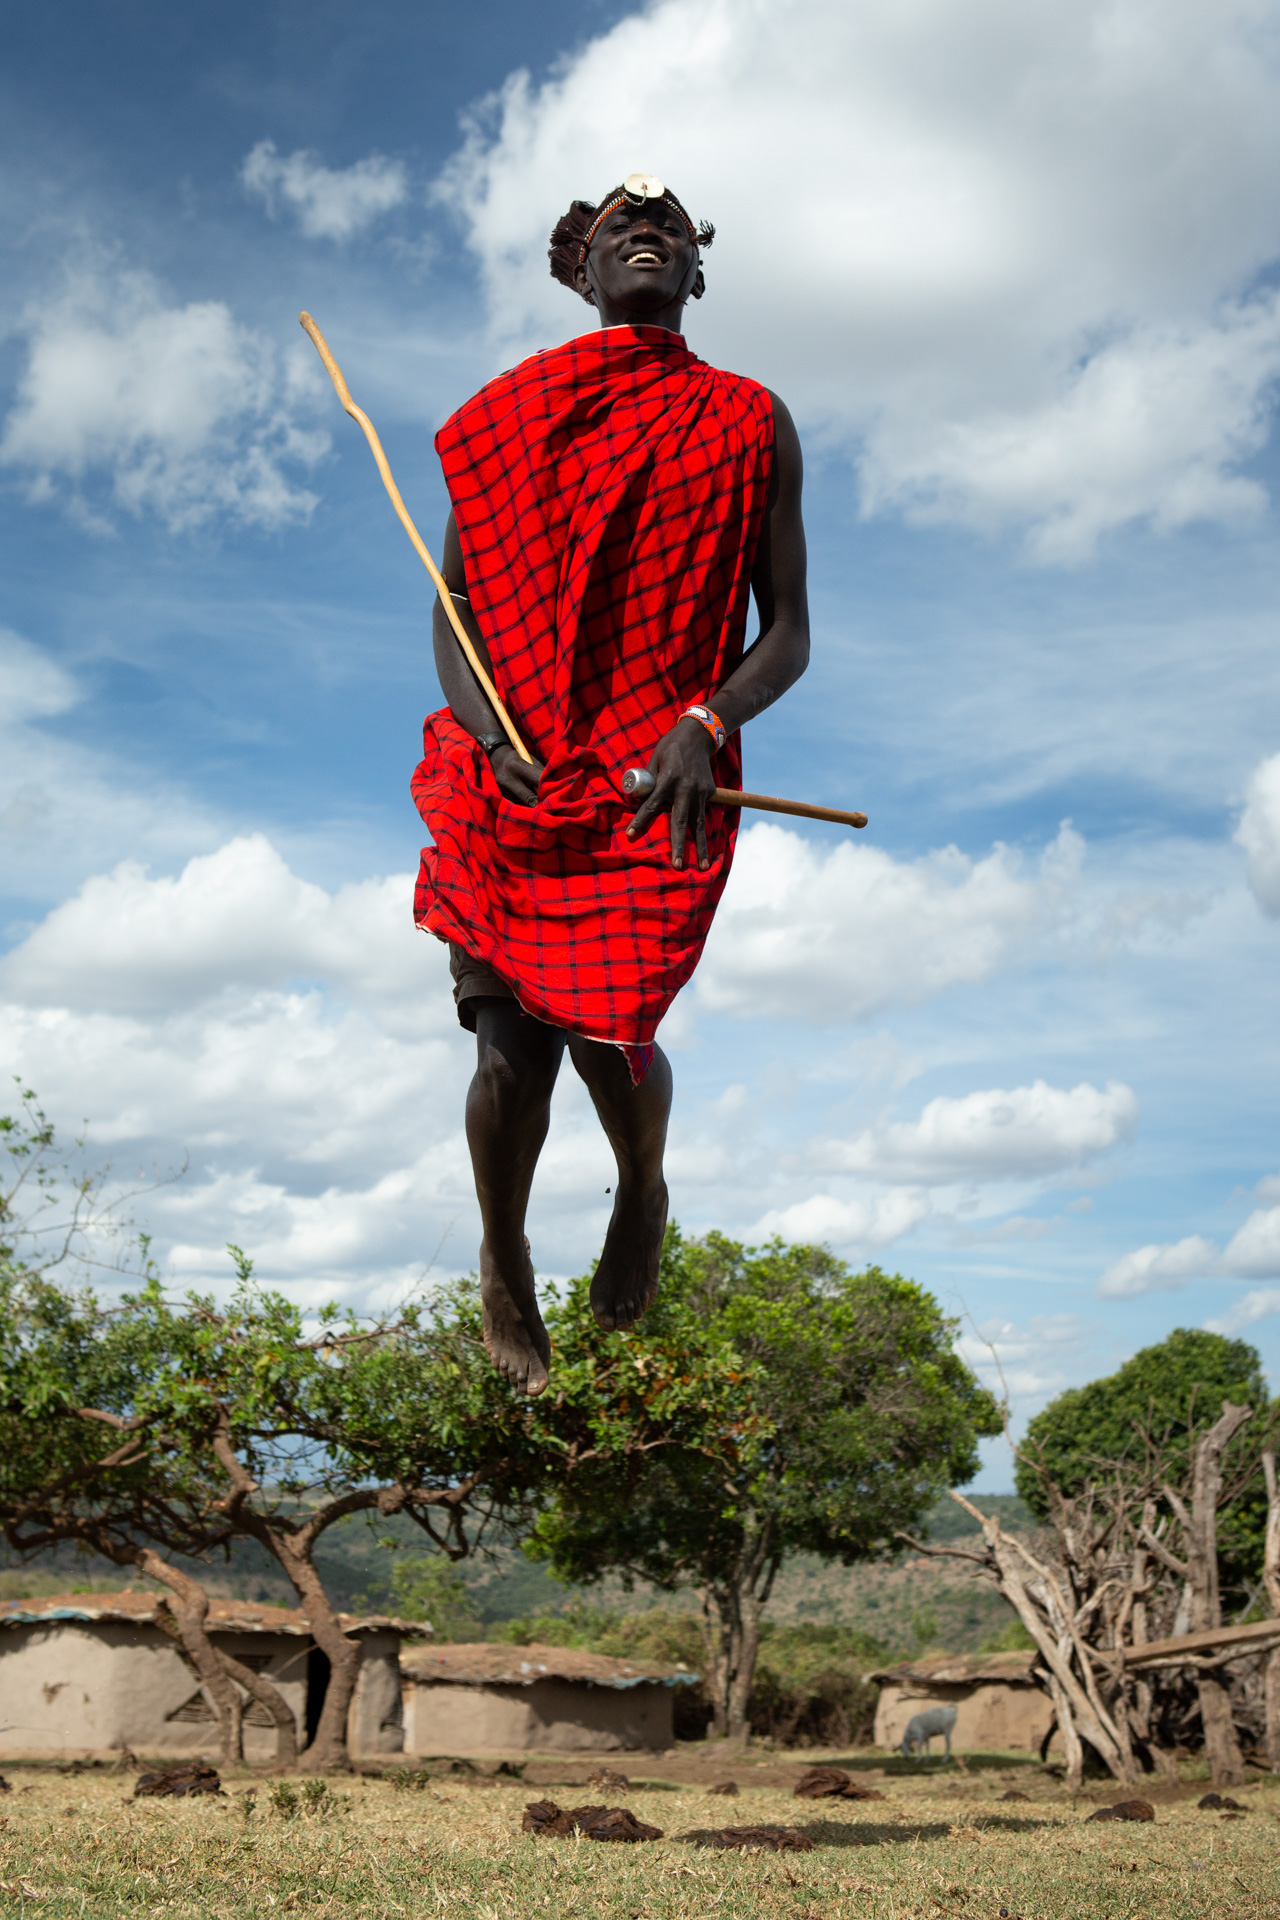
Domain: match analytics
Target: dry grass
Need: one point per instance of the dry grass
(80, 1845)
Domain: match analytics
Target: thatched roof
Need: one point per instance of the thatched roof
(487, 1664)
(962, 1670)
(139, 1608)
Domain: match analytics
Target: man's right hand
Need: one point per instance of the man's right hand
(517, 779)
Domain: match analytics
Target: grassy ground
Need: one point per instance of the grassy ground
(939, 1844)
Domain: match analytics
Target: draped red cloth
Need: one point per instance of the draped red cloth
(609, 496)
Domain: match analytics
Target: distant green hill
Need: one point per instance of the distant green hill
(904, 1603)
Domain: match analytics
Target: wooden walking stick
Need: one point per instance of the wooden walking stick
(358, 414)
(638, 783)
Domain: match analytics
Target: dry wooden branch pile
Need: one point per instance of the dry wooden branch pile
(1121, 1596)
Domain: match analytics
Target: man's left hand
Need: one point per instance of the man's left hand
(681, 766)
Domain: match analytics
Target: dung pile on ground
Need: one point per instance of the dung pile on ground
(179, 1781)
(729, 1788)
(1223, 1802)
(594, 1823)
(1013, 1794)
(757, 1839)
(832, 1783)
(1125, 1810)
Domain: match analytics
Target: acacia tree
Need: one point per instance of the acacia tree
(772, 1402)
(298, 1428)
(79, 1467)
(75, 1466)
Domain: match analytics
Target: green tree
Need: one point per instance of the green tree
(1147, 1416)
(304, 1426)
(430, 1588)
(772, 1402)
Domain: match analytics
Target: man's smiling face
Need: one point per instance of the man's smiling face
(641, 259)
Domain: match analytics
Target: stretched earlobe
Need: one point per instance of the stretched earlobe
(699, 286)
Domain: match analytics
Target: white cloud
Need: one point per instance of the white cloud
(1259, 834)
(132, 944)
(181, 410)
(1252, 1253)
(825, 1220)
(1154, 1268)
(1256, 1305)
(66, 804)
(32, 686)
(329, 203)
(1151, 426)
(1031, 1361)
(1010, 250)
(835, 935)
(1026, 1133)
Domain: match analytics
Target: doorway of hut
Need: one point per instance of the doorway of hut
(319, 1667)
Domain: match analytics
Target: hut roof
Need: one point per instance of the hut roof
(487, 1664)
(963, 1669)
(226, 1616)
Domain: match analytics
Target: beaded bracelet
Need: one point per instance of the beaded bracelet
(709, 720)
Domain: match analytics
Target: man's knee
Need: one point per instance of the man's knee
(517, 1059)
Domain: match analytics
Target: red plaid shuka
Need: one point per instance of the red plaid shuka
(609, 496)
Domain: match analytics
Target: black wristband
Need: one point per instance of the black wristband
(492, 741)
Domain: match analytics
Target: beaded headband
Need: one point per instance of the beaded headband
(636, 189)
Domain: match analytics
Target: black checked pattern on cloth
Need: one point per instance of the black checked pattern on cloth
(609, 496)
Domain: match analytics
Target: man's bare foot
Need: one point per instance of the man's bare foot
(514, 1335)
(626, 1281)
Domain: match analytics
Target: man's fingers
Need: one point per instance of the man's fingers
(700, 830)
(679, 826)
(643, 817)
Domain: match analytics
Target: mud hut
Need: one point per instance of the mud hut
(87, 1675)
(488, 1699)
(998, 1704)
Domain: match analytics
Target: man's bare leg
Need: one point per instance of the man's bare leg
(508, 1111)
(635, 1119)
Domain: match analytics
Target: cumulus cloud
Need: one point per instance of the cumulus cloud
(299, 1044)
(1258, 1304)
(178, 411)
(823, 1219)
(1012, 253)
(1259, 834)
(329, 203)
(1025, 1133)
(1253, 1253)
(133, 944)
(1154, 1268)
(834, 935)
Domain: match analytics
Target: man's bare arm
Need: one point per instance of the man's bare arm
(681, 762)
(467, 700)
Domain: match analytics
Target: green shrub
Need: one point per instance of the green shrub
(426, 1587)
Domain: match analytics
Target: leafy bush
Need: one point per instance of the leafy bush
(426, 1587)
(810, 1689)
(809, 1686)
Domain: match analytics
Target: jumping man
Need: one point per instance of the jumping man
(615, 501)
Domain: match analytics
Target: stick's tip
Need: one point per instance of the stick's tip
(305, 320)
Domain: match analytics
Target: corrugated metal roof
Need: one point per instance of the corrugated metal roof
(963, 1669)
(225, 1616)
(486, 1664)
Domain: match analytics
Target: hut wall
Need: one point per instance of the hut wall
(90, 1689)
(989, 1714)
(375, 1719)
(549, 1716)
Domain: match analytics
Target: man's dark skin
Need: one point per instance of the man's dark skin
(641, 269)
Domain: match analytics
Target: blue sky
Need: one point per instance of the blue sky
(1015, 272)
